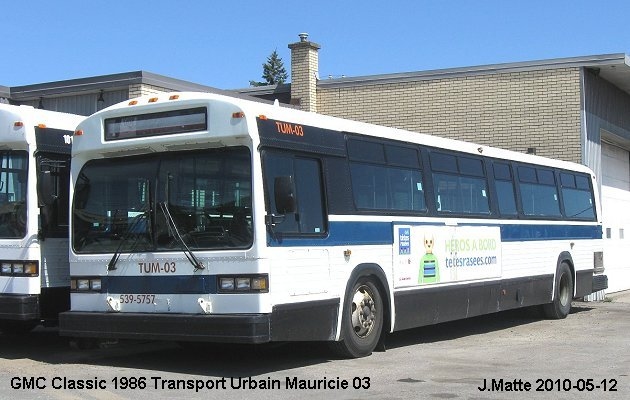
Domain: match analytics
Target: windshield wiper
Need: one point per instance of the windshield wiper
(111, 265)
(145, 214)
(172, 227)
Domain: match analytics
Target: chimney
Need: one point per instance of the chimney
(304, 73)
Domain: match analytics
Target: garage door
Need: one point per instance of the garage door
(616, 214)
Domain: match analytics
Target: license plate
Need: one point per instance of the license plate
(137, 299)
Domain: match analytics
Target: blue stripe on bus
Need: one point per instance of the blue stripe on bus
(371, 233)
(188, 284)
(341, 233)
(516, 233)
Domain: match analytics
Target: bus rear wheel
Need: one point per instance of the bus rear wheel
(362, 320)
(560, 307)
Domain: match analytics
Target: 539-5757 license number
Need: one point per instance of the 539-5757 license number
(137, 298)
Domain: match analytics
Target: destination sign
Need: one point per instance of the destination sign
(301, 137)
(156, 124)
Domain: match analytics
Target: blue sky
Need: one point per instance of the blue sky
(224, 43)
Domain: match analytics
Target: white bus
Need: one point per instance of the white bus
(199, 217)
(34, 190)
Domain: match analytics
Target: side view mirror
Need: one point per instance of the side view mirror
(284, 194)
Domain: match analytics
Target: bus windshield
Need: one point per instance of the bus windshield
(13, 194)
(119, 203)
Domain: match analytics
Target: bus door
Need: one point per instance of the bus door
(296, 222)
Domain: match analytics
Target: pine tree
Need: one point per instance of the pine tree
(273, 71)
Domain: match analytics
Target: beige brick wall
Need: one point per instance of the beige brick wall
(304, 65)
(514, 110)
(143, 89)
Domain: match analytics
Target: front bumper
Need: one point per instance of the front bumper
(19, 307)
(245, 328)
(306, 321)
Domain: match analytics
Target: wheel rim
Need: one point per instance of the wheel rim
(363, 312)
(564, 290)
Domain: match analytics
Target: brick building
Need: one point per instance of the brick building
(574, 109)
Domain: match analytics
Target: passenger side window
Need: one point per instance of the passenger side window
(576, 196)
(505, 188)
(369, 183)
(378, 187)
(459, 184)
(538, 192)
(305, 174)
(385, 177)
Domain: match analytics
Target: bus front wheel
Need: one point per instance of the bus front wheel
(560, 307)
(362, 320)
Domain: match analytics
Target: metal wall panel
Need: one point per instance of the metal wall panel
(607, 141)
(83, 104)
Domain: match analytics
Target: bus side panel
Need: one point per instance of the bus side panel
(431, 305)
(19, 285)
(313, 320)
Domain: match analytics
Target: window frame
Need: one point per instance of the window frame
(510, 170)
(269, 192)
(389, 164)
(533, 178)
(149, 169)
(576, 184)
(456, 169)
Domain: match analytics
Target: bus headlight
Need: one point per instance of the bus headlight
(19, 268)
(83, 284)
(226, 284)
(7, 268)
(86, 284)
(95, 284)
(243, 284)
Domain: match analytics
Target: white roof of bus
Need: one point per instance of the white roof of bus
(34, 116)
(253, 109)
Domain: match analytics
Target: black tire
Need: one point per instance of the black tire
(362, 320)
(560, 307)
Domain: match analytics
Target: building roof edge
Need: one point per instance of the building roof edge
(592, 61)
